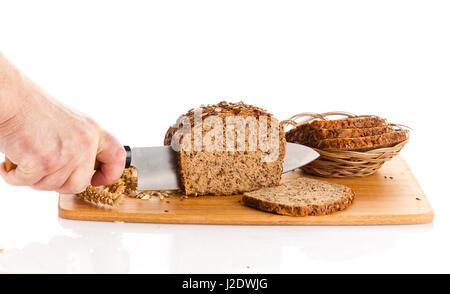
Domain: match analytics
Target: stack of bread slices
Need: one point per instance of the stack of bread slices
(356, 134)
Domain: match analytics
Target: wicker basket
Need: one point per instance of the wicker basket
(344, 164)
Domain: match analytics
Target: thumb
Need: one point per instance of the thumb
(111, 156)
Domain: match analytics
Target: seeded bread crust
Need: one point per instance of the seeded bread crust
(221, 109)
(363, 143)
(306, 135)
(227, 172)
(301, 197)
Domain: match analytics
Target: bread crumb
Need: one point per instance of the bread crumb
(119, 222)
(2, 250)
(418, 198)
(166, 211)
(111, 195)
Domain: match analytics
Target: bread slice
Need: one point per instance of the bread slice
(306, 135)
(347, 123)
(363, 143)
(301, 197)
(224, 172)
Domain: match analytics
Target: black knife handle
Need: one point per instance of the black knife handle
(128, 160)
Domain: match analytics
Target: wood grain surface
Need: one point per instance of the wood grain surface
(390, 196)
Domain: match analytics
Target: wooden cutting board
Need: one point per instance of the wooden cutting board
(390, 196)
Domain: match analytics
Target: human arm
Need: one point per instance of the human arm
(53, 146)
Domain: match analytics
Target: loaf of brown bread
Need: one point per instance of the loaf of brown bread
(301, 197)
(226, 172)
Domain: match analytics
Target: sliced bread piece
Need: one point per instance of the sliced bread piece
(301, 197)
(363, 143)
(306, 135)
(349, 123)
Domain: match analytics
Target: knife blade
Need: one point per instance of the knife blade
(157, 166)
(297, 156)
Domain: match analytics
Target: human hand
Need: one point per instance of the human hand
(55, 147)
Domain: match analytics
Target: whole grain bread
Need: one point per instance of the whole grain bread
(363, 143)
(301, 197)
(357, 134)
(347, 123)
(306, 135)
(227, 172)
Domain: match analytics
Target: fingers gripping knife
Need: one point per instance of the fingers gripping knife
(157, 166)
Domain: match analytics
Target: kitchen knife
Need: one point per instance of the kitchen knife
(157, 166)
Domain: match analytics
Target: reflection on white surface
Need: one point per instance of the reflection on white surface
(35, 240)
(88, 253)
(98, 247)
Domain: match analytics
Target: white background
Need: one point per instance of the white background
(134, 66)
